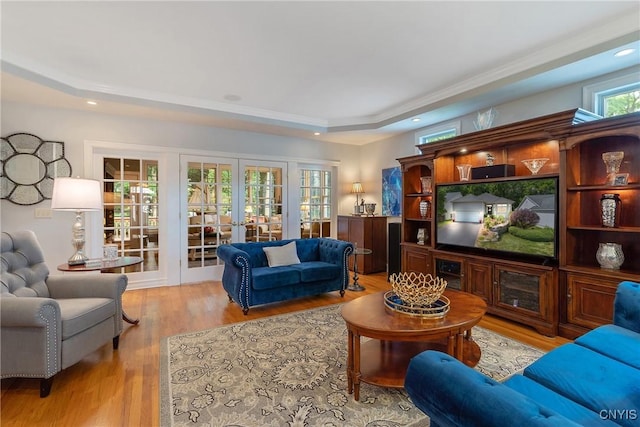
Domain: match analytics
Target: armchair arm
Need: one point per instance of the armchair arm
(78, 285)
(626, 306)
(31, 334)
(237, 276)
(336, 252)
(454, 395)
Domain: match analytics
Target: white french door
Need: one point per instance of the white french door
(224, 201)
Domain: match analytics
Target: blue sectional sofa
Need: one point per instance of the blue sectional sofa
(594, 381)
(250, 281)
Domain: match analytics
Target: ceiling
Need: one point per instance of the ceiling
(352, 71)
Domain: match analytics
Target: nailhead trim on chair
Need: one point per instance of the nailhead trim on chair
(49, 328)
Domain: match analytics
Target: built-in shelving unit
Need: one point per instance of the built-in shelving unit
(564, 294)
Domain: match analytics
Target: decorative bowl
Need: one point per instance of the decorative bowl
(369, 208)
(534, 165)
(417, 289)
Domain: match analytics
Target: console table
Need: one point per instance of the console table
(106, 266)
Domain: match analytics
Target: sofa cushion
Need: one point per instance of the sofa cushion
(556, 402)
(282, 255)
(274, 277)
(614, 342)
(79, 314)
(312, 271)
(590, 379)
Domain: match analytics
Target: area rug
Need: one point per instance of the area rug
(290, 370)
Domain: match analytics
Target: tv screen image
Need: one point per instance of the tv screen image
(515, 216)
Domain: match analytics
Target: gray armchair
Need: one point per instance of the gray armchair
(48, 323)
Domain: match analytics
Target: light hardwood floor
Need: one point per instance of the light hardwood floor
(121, 388)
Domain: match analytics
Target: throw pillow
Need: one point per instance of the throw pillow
(282, 255)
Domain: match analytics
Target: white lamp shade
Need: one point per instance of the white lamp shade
(76, 194)
(357, 188)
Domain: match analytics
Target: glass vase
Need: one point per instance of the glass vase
(610, 205)
(465, 172)
(610, 255)
(612, 161)
(424, 208)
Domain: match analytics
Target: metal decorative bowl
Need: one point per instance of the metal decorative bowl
(417, 295)
(369, 208)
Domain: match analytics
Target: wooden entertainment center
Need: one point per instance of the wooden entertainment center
(566, 294)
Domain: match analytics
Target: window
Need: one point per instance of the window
(613, 97)
(618, 101)
(438, 132)
(315, 203)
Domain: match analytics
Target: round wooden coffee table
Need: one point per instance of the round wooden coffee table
(397, 337)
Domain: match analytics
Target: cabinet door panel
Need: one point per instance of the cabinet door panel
(479, 279)
(590, 301)
(416, 260)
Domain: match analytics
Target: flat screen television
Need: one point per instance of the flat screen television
(513, 217)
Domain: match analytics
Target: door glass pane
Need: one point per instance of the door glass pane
(130, 214)
(263, 203)
(209, 196)
(315, 203)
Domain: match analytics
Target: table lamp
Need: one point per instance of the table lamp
(77, 195)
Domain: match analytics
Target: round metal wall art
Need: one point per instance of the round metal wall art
(28, 166)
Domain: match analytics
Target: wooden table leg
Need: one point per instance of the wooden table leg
(460, 347)
(350, 362)
(128, 319)
(356, 367)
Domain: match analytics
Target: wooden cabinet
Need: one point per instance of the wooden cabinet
(565, 291)
(588, 289)
(514, 290)
(368, 232)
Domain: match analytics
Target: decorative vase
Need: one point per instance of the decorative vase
(534, 165)
(422, 235)
(425, 183)
(610, 205)
(424, 208)
(609, 255)
(465, 172)
(612, 161)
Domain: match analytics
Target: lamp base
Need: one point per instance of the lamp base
(77, 259)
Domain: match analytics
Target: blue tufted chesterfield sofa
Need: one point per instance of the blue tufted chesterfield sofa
(249, 281)
(594, 381)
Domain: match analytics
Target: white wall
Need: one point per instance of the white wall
(76, 127)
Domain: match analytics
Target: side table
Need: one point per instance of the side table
(105, 267)
(355, 286)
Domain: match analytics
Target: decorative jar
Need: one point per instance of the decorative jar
(422, 235)
(424, 208)
(610, 256)
(610, 205)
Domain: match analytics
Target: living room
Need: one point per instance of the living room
(89, 133)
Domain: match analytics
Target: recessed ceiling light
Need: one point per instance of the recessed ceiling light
(316, 133)
(463, 150)
(92, 103)
(624, 52)
(415, 119)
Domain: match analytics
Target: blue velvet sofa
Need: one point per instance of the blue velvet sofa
(594, 381)
(249, 281)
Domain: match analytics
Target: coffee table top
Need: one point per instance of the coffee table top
(368, 317)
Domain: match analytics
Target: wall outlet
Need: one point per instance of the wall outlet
(44, 213)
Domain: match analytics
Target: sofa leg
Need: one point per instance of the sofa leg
(116, 341)
(342, 293)
(245, 311)
(45, 386)
(230, 298)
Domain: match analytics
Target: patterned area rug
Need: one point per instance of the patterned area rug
(290, 370)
